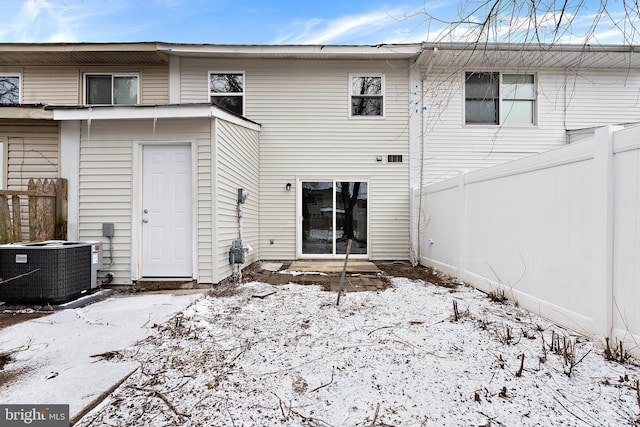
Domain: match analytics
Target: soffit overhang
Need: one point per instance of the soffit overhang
(82, 54)
(529, 56)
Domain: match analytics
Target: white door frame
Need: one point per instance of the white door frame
(299, 181)
(136, 214)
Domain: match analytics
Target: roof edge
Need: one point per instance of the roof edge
(147, 111)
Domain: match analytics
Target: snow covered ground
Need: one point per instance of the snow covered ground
(51, 357)
(396, 357)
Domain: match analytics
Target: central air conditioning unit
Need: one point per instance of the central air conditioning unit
(54, 271)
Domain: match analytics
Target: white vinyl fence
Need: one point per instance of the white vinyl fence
(558, 232)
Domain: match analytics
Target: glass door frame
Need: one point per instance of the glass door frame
(299, 223)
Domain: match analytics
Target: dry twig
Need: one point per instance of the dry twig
(375, 415)
(324, 385)
(519, 373)
(163, 398)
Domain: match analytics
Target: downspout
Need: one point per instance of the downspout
(423, 140)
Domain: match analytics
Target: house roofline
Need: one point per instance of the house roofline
(522, 56)
(533, 47)
(78, 47)
(459, 53)
(20, 54)
(155, 111)
(383, 51)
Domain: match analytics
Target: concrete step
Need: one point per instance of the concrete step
(160, 284)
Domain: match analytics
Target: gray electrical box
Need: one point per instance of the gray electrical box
(236, 252)
(107, 229)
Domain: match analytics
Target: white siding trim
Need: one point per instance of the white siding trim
(136, 204)
(174, 79)
(215, 272)
(70, 170)
(153, 112)
(4, 153)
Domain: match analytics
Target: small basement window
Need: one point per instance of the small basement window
(394, 158)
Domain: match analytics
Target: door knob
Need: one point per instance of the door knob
(145, 220)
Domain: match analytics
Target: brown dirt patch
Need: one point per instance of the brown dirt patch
(426, 274)
(353, 282)
(8, 318)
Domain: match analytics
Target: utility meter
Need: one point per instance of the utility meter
(242, 195)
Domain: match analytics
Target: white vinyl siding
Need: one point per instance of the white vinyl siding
(226, 159)
(63, 85)
(237, 166)
(51, 85)
(153, 82)
(303, 107)
(154, 85)
(564, 102)
(599, 97)
(33, 151)
(106, 177)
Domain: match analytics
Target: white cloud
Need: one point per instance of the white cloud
(62, 21)
(343, 29)
(37, 21)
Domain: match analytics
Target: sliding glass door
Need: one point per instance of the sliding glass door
(334, 212)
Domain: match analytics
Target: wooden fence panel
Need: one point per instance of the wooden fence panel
(47, 211)
(17, 218)
(6, 232)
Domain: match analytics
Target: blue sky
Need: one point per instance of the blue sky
(234, 21)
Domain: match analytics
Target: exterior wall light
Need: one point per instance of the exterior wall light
(288, 186)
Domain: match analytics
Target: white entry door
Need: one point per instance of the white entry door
(166, 211)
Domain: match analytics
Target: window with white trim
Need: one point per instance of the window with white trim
(111, 89)
(226, 90)
(9, 89)
(366, 95)
(500, 98)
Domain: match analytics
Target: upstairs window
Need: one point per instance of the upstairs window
(481, 98)
(9, 90)
(226, 90)
(367, 95)
(518, 99)
(111, 89)
(495, 98)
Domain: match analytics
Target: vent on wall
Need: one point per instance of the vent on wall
(394, 158)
